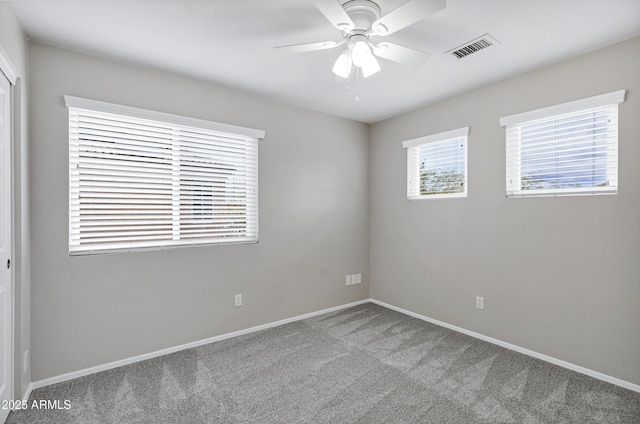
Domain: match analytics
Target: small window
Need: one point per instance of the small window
(140, 179)
(437, 165)
(568, 149)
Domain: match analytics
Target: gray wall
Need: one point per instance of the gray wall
(314, 200)
(14, 44)
(560, 276)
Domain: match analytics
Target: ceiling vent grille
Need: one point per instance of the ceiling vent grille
(473, 46)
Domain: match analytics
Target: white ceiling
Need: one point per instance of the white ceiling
(230, 42)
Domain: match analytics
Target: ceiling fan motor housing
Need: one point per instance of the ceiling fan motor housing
(363, 13)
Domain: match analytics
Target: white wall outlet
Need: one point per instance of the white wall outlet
(353, 279)
(25, 362)
(479, 302)
(238, 300)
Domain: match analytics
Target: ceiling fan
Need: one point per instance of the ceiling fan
(361, 20)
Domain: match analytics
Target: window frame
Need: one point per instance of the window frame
(513, 149)
(178, 167)
(413, 168)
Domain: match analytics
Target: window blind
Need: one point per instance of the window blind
(437, 165)
(568, 153)
(138, 183)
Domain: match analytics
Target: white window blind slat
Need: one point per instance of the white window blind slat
(140, 183)
(568, 153)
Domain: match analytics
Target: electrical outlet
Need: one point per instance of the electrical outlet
(353, 279)
(238, 300)
(479, 302)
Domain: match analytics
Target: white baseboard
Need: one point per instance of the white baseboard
(541, 356)
(115, 364)
(528, 352)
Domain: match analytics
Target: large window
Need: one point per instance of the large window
(437, 165)
(141, 179)
(566, 149)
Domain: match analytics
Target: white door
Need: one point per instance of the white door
(6, 340)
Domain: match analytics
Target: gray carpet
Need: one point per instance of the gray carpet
(366, 364)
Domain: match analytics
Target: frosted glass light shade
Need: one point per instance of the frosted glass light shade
(360, 51)
(370, 66)
(342, 67)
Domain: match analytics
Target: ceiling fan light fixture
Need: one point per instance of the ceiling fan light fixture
(342, 67)
(370, 66)
(360, 51)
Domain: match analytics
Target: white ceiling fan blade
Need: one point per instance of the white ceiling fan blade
(308, 47)
(400, 54)
(334, 12)
(409, 13)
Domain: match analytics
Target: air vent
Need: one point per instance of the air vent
(473, 46)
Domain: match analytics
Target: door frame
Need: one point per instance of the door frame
(8, 70)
